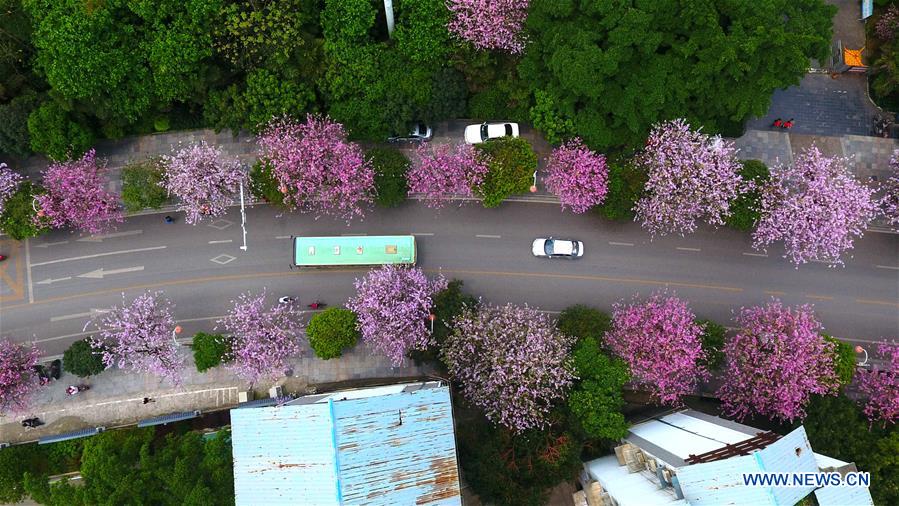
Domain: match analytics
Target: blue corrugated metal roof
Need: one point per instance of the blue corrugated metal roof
(397, 448)
(70, 435)
(170, 418)
(844, 496)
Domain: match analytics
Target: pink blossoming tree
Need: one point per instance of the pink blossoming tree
(203, 179)
(489, 24)
(881, 386)
(9, 182)
(140, 336)
(18, 381)
(815, 207)
(77, 196)
(889, 204)
(263, 340)
(660, 341)
(317, 169)
(577, 175)
(442, 171)
(392, 306)
(691, 177)
(512, 362)
(775, 362)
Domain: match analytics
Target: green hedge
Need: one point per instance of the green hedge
(512, 164)
(141, 188)
(17, 219)
(390, 166)
(210, 350)
(82, 360)
(332, 331)
(745, 208)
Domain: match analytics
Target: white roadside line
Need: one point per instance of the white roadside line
(688, 249)
(422, 233)
(486, 236)
(282, 237)
(122, 252)
(763, 255)
(28, 271)
(226, 241)
(613, 243)
(887, 267)
(70, 316)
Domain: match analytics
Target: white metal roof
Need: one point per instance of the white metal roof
(629, 489)
(684, 435)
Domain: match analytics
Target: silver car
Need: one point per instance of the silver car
(419, 133)
(551, 247)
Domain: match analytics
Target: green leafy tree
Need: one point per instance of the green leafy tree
(584, 322)
(269, 95)
(625, 188)
(18, 217)
(546, 118)
(448, 304)
(141, 187)
(264, 185)
(512, 164)
(210, 350)
(746, 208)
(82, 360)
(258, 33)
(16, 52)
(615, 68)
(14, 138)
(390, 167)
(449, 96)
(713, 335)
(596, 400)
(332, 331)
(53, 132)
(844, 360)
(421, 34)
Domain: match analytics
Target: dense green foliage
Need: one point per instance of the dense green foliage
(615, 68)
(625, 187)
(390, 166)
(837, 428)
(546, 117)
(210, 350)
(713, 343)
(82, 360)
(263, 184)
(882, 54)
(745, 209)
(133, 466)
(584, 322)
(332, 331)
(14, 138)
(448, 304)
(512, 164)
(15, 461)
(596, 400)
(844, 360)
(52, 131)
(141, 187)
(17, 219)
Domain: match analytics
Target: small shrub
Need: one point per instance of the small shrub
(161, 124)
(625, 187)
(17, 219)
(140, 186)
(713, 343)
(745, 209)
(82, 360)
(210, 350)
(512, 164)
(264, 186)
(843, 360)
(583, 322)
(390, 166)
(332, 331)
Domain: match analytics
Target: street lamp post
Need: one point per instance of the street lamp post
(175, 332)
(243, 219)
(859, 349)
(432, 317)
(534, 186)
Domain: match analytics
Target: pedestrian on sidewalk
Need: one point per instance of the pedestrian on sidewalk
(778, 123)
(169, 219)
(788, 124)
(148, 400)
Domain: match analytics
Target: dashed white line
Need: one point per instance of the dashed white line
(422, 233)
(28, 271)
(689, 249)
(763, 255)
(613, 243)
(282, 237)
(221, 242)
(486, 236)
(819, 297)
(887, 267)
(70, 316)
(99, 255)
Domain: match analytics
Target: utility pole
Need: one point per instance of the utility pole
(243, 219)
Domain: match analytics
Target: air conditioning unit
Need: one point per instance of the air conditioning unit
(244, 396)
(606, 499)
(651, 465)
(641, 457)
(633, 463)
(667, 474)
(619, 452)
(593, 494)
(275, 392)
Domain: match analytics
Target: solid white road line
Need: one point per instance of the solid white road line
(221, 242)
(763, 255)
(282, 237)
(887, 267)
(48, 244)
(689, 249)
(422, 233)
(122, 252)
(70, 316)
(621, 243)
(485, 236)
(100, 238)
(28, 271)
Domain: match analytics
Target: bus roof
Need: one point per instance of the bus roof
(354, 250)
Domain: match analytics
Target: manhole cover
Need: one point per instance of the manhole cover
(223, 259)
(221, 224)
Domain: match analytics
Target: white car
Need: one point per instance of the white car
(476, 134)
(557, 248)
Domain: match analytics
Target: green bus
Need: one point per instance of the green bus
(339, 251)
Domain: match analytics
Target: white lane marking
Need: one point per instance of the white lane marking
(50, 281)
(221, 242)
(613, 243)
(763, 255)
(351, 235)
(689, 249)
(486, 236)
(99, 273)
(422, 233)
(28, 271)
(282, 237)
(48, 244)
(819, 297)
(887, 267)
(100, 238)
(122, 252)
(70, 316)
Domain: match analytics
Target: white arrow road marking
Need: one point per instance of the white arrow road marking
(48, 244)
(50, 281)
(100, 238)
(124, 251)
(99, 273)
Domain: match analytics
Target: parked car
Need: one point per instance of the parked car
(551, 247)
(476, 134)
(419, 133)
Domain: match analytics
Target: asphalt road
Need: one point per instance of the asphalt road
(201, 268)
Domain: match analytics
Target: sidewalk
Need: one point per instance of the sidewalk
(116, 396)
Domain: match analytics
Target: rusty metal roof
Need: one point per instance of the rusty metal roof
(391, 448)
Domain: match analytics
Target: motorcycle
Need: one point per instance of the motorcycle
(286, 300)
(76, 389)
(316, 305)
(32, 422)
(2, 258)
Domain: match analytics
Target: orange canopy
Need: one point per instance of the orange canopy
(853, 57)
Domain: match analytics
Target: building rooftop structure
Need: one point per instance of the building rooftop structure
(691, 458)
(376, 446)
